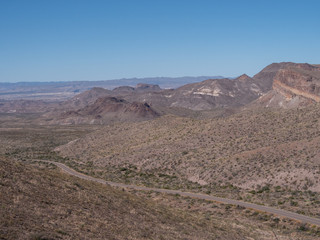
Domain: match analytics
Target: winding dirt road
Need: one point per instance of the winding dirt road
(275, 211)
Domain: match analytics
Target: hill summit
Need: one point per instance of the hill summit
(106, 110)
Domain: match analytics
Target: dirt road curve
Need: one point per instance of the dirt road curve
(275, 211)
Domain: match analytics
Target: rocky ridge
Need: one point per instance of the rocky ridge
(293, 85)
(284, 85)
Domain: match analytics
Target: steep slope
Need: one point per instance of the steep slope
(265, 77)
(293, 85)
(45, 204)
(106, 110)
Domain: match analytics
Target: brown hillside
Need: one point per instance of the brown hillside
(249, 150)
(106, 110)
(46, 204)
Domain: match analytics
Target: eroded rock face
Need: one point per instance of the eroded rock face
(290, 83)
(293, 85)
(266, 76)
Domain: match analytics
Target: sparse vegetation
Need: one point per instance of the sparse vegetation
(271, 153)
(45, 204)
(267, 157)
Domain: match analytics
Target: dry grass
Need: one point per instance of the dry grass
(45, 204)
(268, 156)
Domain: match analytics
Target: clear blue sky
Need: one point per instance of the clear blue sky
(66, 40)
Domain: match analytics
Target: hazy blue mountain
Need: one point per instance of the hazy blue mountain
(65, 90)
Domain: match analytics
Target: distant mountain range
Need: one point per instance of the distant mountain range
(57, 91)
(279, 85)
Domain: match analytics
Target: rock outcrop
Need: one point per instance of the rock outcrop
(293, 85)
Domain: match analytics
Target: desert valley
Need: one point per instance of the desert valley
(250, 139)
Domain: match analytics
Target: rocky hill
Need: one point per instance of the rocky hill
(205, 95)
(143, 87)
(107, 110)
(284, 85)
(216, 93)
(90, 96)
(84, 99)
(293, 85)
